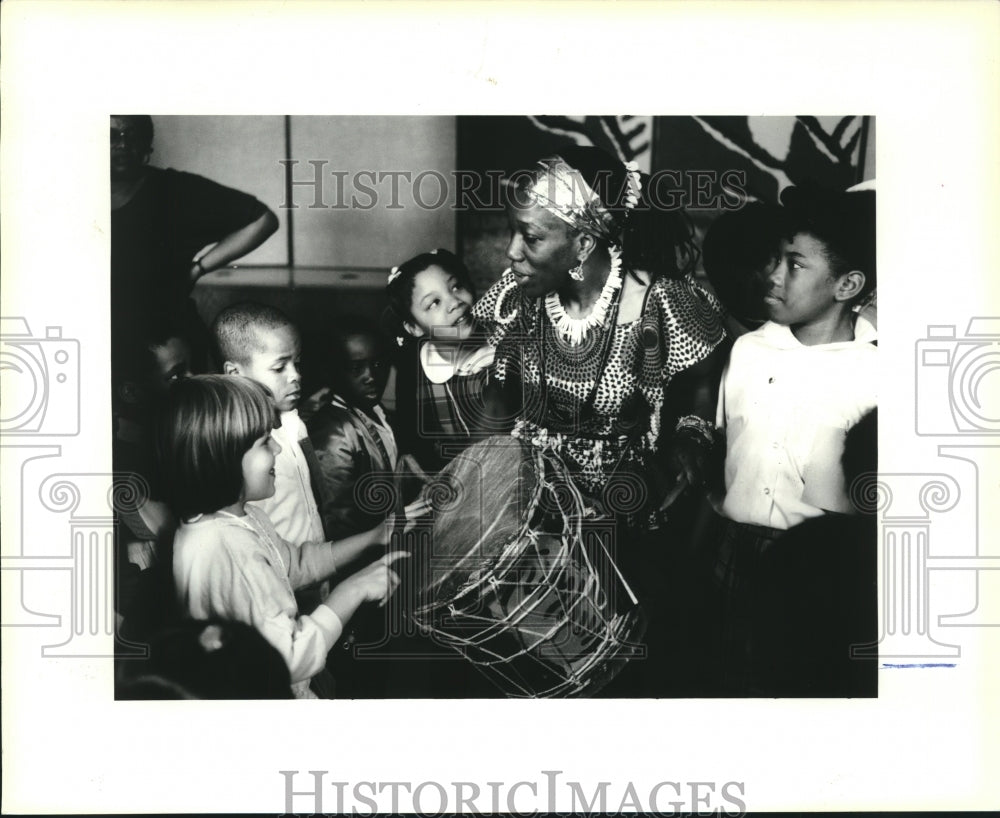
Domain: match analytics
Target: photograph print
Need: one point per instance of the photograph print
(481, 407)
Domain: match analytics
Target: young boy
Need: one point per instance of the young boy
(791, 391)
(796, 385)
(261, 343)
(351, 434)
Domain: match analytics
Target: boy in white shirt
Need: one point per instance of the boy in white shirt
(795, 386)
(261, 343)
(791, 391)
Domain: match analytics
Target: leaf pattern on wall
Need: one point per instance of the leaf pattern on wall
(771, 152)
(815, 152)
(630, 138)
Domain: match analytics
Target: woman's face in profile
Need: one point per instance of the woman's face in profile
(541, 249)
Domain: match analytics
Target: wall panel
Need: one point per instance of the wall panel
(389, 231)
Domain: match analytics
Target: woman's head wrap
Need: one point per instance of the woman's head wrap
(562, 190)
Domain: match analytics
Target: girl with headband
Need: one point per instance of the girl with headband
(444, 377)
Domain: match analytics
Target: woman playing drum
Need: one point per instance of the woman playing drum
(593, 320)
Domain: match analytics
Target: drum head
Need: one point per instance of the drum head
(479, 503)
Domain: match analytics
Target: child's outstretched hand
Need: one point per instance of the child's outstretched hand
(375, 583)
(372, 584)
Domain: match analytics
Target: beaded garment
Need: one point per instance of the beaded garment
(613, 428)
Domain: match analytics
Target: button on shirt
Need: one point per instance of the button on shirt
(292, 510)
(786, 408)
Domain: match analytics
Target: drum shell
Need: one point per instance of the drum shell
(547, 613)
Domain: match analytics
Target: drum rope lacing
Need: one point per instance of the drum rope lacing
(568, 584)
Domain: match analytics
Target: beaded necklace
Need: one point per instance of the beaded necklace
(575, 329)
(587, 406)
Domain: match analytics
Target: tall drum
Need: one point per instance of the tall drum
(519, 579)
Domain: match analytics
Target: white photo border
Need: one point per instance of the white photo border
(929, 74)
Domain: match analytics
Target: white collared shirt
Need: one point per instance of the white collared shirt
(786, 408)
(292, 510)
(439, 369)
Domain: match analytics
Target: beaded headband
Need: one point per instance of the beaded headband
(562, 190)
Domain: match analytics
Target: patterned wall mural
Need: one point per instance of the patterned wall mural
(703, 163)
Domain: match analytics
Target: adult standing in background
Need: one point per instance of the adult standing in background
(168, 229)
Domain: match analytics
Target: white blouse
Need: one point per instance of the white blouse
(238, 568)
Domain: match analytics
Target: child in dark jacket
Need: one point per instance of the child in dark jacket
(354, 442)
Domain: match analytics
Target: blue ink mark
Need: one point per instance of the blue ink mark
(926, 665)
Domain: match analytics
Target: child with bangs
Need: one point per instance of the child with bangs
(217, 456)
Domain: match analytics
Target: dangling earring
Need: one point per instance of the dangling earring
(576, 273)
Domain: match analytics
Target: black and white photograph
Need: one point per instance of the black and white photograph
(503, 402)
(504, 380)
